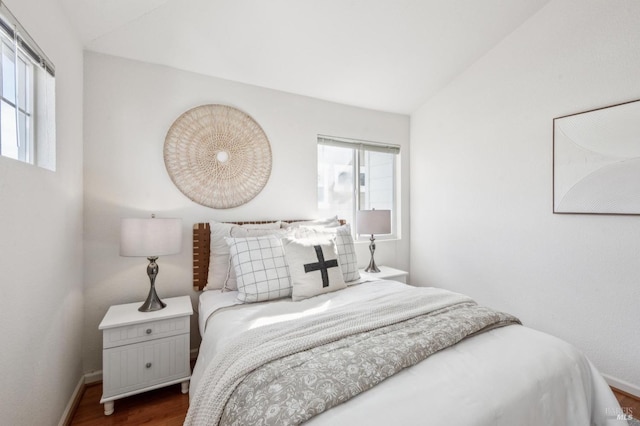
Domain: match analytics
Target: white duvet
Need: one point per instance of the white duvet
(508, 376)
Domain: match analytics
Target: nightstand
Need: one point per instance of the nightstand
(142, 351)
(386, 273)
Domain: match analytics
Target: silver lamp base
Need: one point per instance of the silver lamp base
(372, 263)
(153, 302)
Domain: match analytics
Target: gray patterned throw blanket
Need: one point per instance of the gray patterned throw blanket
(288, 372)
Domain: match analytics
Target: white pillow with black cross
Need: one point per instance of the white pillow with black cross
(313, 266)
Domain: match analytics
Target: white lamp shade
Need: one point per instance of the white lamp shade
(373, 221)
(150, 237)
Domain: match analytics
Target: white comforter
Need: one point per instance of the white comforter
(509, 376)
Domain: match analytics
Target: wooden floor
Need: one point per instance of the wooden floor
(628, 402)
(168, 406)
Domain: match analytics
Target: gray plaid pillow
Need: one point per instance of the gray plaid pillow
(261, 269)
(347, 253)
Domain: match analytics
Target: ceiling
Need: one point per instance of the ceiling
(388, 55)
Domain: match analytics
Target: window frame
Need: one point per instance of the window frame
(33, 108)
(26, 144)
(360, 147)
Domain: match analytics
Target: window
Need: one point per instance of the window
(356, 175)
(27, 96)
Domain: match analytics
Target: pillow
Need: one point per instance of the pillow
(241, 232)
(230, 283)
(221, 274)
(261, 270)
(314, 268)
(219, 255)
(270, 225)
(347, 253)
(344, 244)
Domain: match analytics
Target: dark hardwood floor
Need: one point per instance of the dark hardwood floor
(168, 406)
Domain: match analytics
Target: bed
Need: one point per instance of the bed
(376, 352)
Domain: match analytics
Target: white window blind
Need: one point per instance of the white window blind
(363, 145)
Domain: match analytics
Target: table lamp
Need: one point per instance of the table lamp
(373, 222)
(150, 238)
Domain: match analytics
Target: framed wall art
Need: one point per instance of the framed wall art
(596, 161)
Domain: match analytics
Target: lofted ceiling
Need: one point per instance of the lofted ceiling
(388, 55)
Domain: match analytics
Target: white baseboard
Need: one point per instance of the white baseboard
(622, 385)
(93, 377)
(66, 414)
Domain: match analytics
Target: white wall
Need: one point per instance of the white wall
(129, 106)
(41, 308)
(481, 183)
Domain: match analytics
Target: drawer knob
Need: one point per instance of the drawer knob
(148, 331)
(148, 365)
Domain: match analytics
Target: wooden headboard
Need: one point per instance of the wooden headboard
(201, 254)
(202, 249)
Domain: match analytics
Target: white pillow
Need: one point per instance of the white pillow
(314, 268)
(221, 274)
(261, 270)
(219, 255)
(241, 232)
(344, 244)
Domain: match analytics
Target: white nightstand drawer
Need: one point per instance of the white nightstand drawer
(141, 365)
(144, 332)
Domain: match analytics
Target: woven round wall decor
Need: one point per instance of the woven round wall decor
(218, 156)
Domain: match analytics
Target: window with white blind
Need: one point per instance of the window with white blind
(356, 175)
(27, 96)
